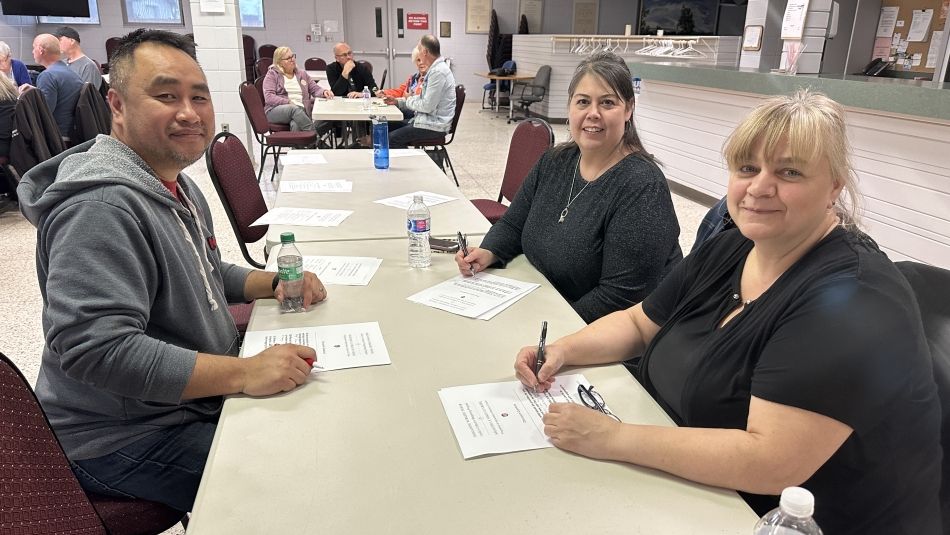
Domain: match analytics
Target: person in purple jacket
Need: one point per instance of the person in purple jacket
(289, 92)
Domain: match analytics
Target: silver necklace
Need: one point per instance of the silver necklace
(570, 196)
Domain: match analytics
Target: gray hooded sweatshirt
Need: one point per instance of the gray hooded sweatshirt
(133, 287)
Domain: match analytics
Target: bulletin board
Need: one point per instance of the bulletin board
(928, 49)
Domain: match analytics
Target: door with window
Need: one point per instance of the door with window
(384, 32)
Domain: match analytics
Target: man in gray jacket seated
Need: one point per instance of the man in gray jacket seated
(434, 109)
(140, 345)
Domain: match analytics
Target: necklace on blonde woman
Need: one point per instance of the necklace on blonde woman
(570, 196)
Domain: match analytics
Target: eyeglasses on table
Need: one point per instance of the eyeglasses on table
(593, 400)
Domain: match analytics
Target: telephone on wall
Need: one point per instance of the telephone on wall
(876, 67)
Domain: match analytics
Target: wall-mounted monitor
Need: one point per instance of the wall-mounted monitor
(678, 17)
(49, 8)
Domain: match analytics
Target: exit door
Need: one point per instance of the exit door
(378, 32)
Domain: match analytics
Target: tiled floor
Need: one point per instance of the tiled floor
(478, 153)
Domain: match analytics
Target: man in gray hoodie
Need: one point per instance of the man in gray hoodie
(139, 343)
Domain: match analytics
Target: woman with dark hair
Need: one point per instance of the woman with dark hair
(595, 214)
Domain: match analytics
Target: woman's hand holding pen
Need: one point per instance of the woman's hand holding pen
(524, 366)
(478, 259)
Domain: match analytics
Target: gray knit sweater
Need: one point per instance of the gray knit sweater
(133, 287)
(619, 239)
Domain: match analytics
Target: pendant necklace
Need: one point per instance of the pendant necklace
(570, 196)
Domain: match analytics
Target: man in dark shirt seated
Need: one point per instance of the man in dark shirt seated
(346, 77)
(59, 85)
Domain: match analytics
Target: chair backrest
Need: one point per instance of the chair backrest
(931, 286)
(530, 140)
(266, 51)
(541, 81)
(382, 82)
(40, 492)
(368, 65)
(250, 55)
(315, 64)
(459, 101)
(254, 107)
(262, 64)
(112, 44)
(234, 178)
(92, 115)
(259, 85)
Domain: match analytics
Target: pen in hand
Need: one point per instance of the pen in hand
(463, 243)
(540, 360)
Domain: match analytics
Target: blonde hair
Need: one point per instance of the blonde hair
(8, 91)
(280, 54)
(813, 126)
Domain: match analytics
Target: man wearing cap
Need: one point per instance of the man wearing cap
(73, 55)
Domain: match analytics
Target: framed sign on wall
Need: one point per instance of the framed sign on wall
(752, 38)
(477, 16)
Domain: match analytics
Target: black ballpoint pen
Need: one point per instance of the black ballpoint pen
(540, 360)
(463, 243)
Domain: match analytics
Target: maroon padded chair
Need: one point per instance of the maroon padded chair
(315, 64)
(266, 51)
(262, 64)
(439, 141)
(271, 142)
(250, 56)
(41, 495)
(274, 127)
(368, 65)
(529, 141)
(232, 174)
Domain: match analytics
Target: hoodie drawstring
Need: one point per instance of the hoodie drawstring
(201, 265)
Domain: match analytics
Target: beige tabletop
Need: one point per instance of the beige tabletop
(371, 220)
(370, 450)
(351, 109)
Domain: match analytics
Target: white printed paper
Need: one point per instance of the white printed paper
(350, 345)
(316, 186)
(920, 25)
(793, 23)
(935, 39)
(403, 201)
(402, 153)
(299, 157)
(481, 297)
(338, 270)
(304, 217)
(885, 24)
(504, 417)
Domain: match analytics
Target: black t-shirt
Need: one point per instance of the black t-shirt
(838, 334)
(359, 78)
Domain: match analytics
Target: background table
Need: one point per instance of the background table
(351, 109)
(370, 450)
(371, 220)
(512, 78)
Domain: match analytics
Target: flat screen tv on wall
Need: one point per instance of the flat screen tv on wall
(49, 8)
(678, 17)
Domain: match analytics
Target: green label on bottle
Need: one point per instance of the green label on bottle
(290, 273)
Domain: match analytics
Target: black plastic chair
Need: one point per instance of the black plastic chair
(438, 144)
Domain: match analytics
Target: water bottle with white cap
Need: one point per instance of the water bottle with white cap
(791, 517)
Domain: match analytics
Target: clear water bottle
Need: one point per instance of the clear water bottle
(417, 222)
(792, 517)
(367, 99)
(380, 142)
(290, 270)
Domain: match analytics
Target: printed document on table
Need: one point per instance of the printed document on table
(305, 217)
(504, 417)
(482, 296)
(302, 157)
(340, 270)
(316, 186)
(401, 153)
(351, 345)
(403, 201)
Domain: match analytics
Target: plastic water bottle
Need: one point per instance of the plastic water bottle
(417, 222)
(367, 99)
(380, 142)
(290, 270)
(792, 517)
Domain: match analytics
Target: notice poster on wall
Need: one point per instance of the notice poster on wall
(887, 22)
(920, 25)
(533, 10)
(585, 17)
(477, 16)
(793, 23)
(882, 48)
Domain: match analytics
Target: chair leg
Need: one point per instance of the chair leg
(273, 173)
(260, 168)
(445, 155)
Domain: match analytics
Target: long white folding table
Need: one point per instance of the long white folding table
(370, 450)
(351, 109)
(371, 220)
